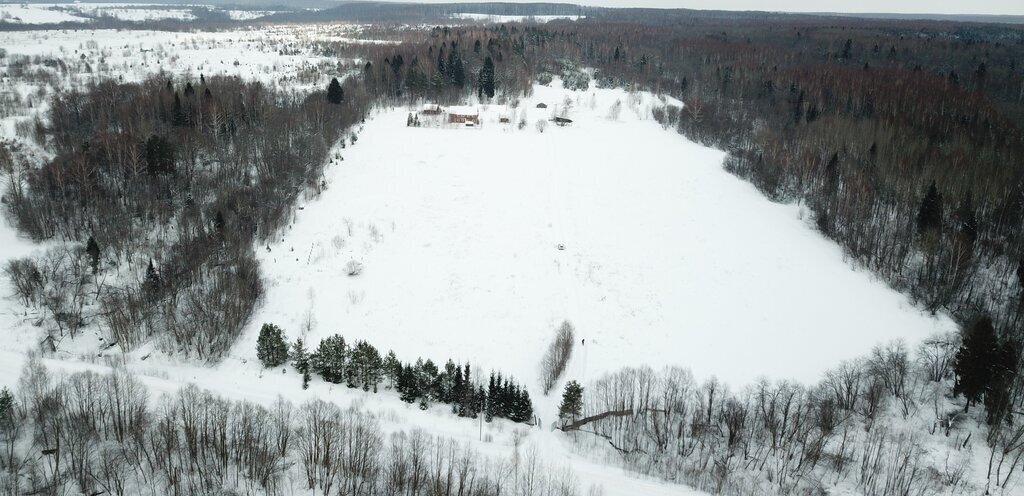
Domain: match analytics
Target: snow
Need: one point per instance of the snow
(668, 259)
(274, 55)
(463, 110)
(136, 13)
(36, 14)
(514, 18)
(45, 13)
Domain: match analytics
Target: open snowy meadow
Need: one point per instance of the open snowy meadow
(488, 238)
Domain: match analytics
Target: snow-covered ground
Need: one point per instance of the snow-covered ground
(514, 18)
(36, 14)
(46, 13)
(667, 260)
(288, 57)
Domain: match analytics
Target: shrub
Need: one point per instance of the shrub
(557, 357)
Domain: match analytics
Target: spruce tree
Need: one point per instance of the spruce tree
(572, 401)
(486, 80)
(929, 215)
(998, 395)
(967, 219)
(179, 118)
(973, 363)
(6, 405)
(93, 250)
(407, 384)
(152, 284)
(392, 368)
(335, 94)
(271, 347)
(329, 360)
(300, 360)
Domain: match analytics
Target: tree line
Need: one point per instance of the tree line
(361, 365)
(91, 433)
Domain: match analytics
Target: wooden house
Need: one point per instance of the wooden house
(463, 115)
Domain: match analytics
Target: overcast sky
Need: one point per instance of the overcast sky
(1012, 7)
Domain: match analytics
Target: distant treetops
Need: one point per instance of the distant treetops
(361, 365)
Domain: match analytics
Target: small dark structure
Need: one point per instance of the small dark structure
(542, 105)
(562, 121)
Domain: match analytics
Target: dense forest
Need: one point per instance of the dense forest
(157, 192)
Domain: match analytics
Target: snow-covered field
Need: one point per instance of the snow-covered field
(286, 57)
(667, 260)
(46, 13)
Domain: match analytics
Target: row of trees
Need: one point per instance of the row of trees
(88, 433)
(361, 365)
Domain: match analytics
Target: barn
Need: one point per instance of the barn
(431, 109)
(462, 115)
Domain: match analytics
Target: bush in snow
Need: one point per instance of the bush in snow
(353, 268)
(557, 357)
(271, 347)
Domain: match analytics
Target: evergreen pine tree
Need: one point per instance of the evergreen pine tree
(354, 366)
(458, 390)
(467, 400)
(392, 368)
(492, 395)
(929, 216)
(178, 116)
(973, 363)
(968, 221)
(271, 347)
(152, 284)
(329, 360)
(335, 94)
(6, 405)
(93, 250)
(300, 360)
(486, 80)
(998, 395)
(407, 384)
(572, 401)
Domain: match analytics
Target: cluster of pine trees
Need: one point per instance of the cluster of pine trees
(362, 365)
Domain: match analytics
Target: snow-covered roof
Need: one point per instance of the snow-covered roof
(431, 107)
(463, 110)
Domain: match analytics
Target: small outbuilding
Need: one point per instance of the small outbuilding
(562, 121)
(504, 118)
(431, 109)
(542, 105)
